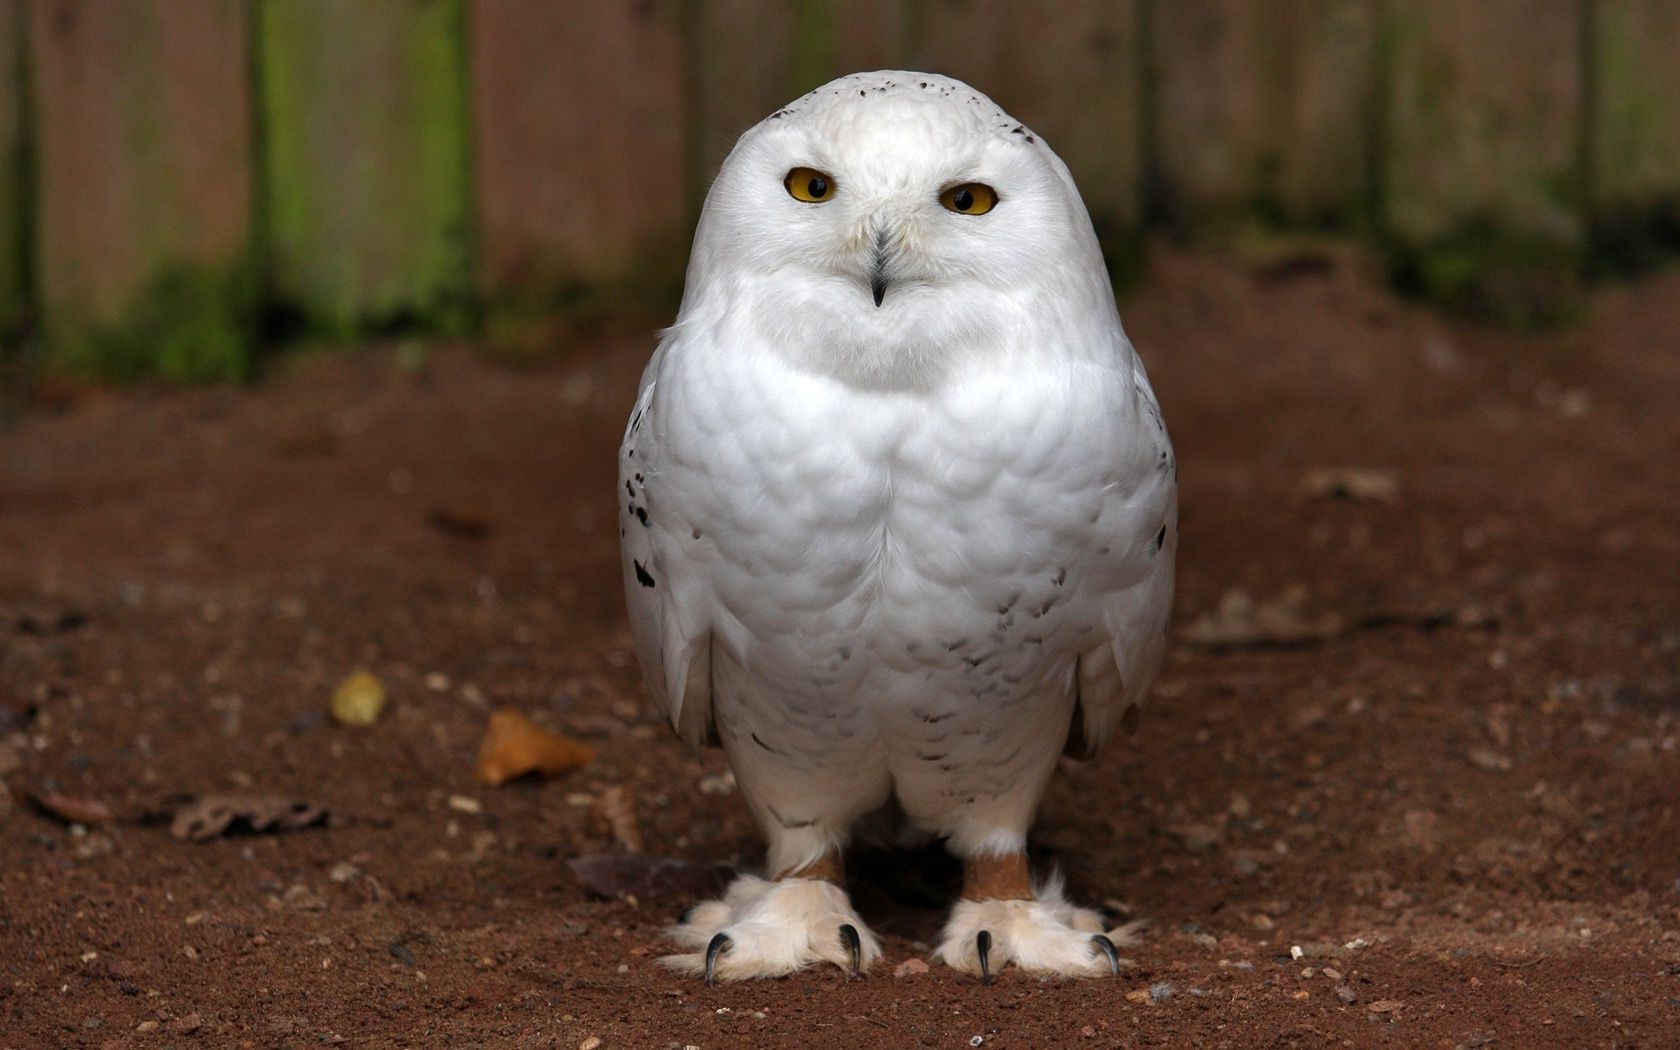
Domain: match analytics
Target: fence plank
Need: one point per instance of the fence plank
(796, 46)
(1263, 109)
(1480, 179)
(1069, 71)
(578, 163)
(1635, 150)
(12, 304)
(143, 134)
(364, 113)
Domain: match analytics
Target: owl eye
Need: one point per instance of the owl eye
(809, 185)
(969, 198)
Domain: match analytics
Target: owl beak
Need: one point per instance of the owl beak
(878, 273)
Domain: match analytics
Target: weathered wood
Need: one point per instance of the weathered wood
(1072, 73)
(578, 164)
(1480, 186)
(1326, 55)
(12, 200)
(794, 47)
(366, 189)
(143, 226)
(1262, 110)
(1634, 149)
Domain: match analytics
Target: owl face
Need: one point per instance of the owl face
(888, 218)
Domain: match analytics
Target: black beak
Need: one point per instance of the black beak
(878, 275)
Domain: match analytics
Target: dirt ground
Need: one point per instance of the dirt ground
(1448, 815)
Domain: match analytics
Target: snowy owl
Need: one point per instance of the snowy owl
(899, 517)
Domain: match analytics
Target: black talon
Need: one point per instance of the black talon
(713, 950)
(983, 946)
(1101, 941)
(854, 944)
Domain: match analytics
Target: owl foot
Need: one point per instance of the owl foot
(771, 929)
(1045, 936)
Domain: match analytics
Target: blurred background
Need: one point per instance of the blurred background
(185, 184)
(1419, 720)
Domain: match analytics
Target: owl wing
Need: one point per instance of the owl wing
(668, 601)
(1113, 677)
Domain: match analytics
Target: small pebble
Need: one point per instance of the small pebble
(147, 1026)
(359, 700)
(592, 1043)
(1346, 994)
(910, 967)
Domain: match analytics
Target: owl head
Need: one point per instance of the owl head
(888, 223)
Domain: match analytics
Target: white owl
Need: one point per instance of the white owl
(900, 515)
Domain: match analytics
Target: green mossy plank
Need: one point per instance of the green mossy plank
(1635, 147)
(747, 58)
(143, 142)
(12, 228)
(365, 161)
(1262, 110)
(1072, 73)
(578, 164)
(1480, 181)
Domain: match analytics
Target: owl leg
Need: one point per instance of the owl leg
(774, 927)
(1003, 919)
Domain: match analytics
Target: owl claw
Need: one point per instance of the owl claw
(1101, 941)
(854, 946)
(713, 950)
(983, 948)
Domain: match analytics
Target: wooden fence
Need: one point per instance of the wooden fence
(181, 178)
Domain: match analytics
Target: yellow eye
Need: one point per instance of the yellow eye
(970, 198)
(809, 185)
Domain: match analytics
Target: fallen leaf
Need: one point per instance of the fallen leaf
(75, 810)
(514, 745)
(1356, 484)
(211, 815)
(616, 809)
(50, 623)
(15, 712)
(359, 700)
(1488, 760)
(1240, 621)
(463, 524)
(644, 877)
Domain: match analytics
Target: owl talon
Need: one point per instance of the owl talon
(713, 950)
(1101, 941)
(983, 948)
(854, 946)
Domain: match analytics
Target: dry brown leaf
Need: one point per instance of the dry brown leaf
(514, 745)
(644, 877)
(616, 809)
(460, 522)
(73, 809)
(1282, 621)
(1356, 484)
(211, 815)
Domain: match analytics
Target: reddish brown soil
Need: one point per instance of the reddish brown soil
(1489, 813)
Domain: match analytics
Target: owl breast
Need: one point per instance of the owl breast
(880, 556)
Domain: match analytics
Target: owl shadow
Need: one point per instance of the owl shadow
(907, 891)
